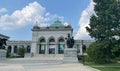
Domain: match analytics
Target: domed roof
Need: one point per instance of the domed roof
(57, 24)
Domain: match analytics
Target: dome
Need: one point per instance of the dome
(57, 24)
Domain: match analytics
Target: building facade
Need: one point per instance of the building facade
(48, 40)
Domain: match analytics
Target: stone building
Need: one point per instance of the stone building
(50, 40)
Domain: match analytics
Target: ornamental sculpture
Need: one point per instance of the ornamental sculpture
(70, 41)
(2, 43)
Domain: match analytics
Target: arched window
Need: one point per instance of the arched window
(61, 40)
(42, 40)
(51, 40)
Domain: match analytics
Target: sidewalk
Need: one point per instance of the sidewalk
(45, 67)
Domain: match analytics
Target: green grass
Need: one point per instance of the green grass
(108, 69)
(105, 67)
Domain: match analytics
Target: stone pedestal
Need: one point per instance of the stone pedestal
(70, 55)
(3, 54)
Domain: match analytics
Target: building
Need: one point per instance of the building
(50, 40)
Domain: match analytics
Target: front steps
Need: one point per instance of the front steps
(37, 58)
(32, 60)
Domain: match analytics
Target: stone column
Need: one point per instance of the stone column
(46, 49)
(56, 49)
(81, 51)
(12, 49)
(34, 47)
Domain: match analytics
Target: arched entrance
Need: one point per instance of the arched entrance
(9, 49)
(52, 45)
(42, 45)
(61, 45)
(28, 49)
(15, 49)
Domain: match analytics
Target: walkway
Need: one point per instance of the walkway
(36, 66)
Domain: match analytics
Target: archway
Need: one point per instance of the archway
(51, 45)
(42, 45)
(15, 49)
(28, 49)
(61, 45)
(9, 49)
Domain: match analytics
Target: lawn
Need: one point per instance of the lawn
(105, 67)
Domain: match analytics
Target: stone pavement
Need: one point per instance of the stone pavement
(37, 66)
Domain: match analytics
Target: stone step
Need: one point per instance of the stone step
(49, 55)
(32, 60)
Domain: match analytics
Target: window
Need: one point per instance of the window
(52, 40)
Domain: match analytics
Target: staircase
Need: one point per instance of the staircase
(37, 58)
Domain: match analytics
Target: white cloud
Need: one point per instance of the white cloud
(29, 14)
(84, 21)
(3, 10)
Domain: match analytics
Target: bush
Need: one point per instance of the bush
(80, 57)
(116, 50)
(88, 59)
(99, 52)
(21, 52)
(8, 53)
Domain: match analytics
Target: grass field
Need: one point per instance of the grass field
(105, 67)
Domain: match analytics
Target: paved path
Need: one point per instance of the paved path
(30, 66)
(42, 67)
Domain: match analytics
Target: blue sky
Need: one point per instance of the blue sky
(17, 17)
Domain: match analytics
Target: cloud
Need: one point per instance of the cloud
(29, 14)
(84, 21)
(3, 10)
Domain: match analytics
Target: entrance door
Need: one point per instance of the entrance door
(61, 48)
(42, 49)
(52, 49)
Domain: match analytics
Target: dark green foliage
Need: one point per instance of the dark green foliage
(99, 52)
(21, 52)
(80, 57)
(104, 26)
(116, 50)
(8, 54)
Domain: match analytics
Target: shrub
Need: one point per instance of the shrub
(80, 57)
(21, 52)
(99, 52)
(8, 53)
(116, 50)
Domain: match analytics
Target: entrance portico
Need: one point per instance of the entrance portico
(50, 39)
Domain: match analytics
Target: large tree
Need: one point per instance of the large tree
(105, 25)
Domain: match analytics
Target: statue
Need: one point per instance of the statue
(2, 43)
(70, 41)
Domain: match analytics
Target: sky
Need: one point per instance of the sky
(17, 17)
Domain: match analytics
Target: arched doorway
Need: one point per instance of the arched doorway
(9, 49)
(42, 45)
(15, 49)
(61, 45)
(52, 45)
(28, 49)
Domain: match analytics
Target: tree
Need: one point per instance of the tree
(97, 52)
(105, 27)
(106, 23)
(21, 51)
